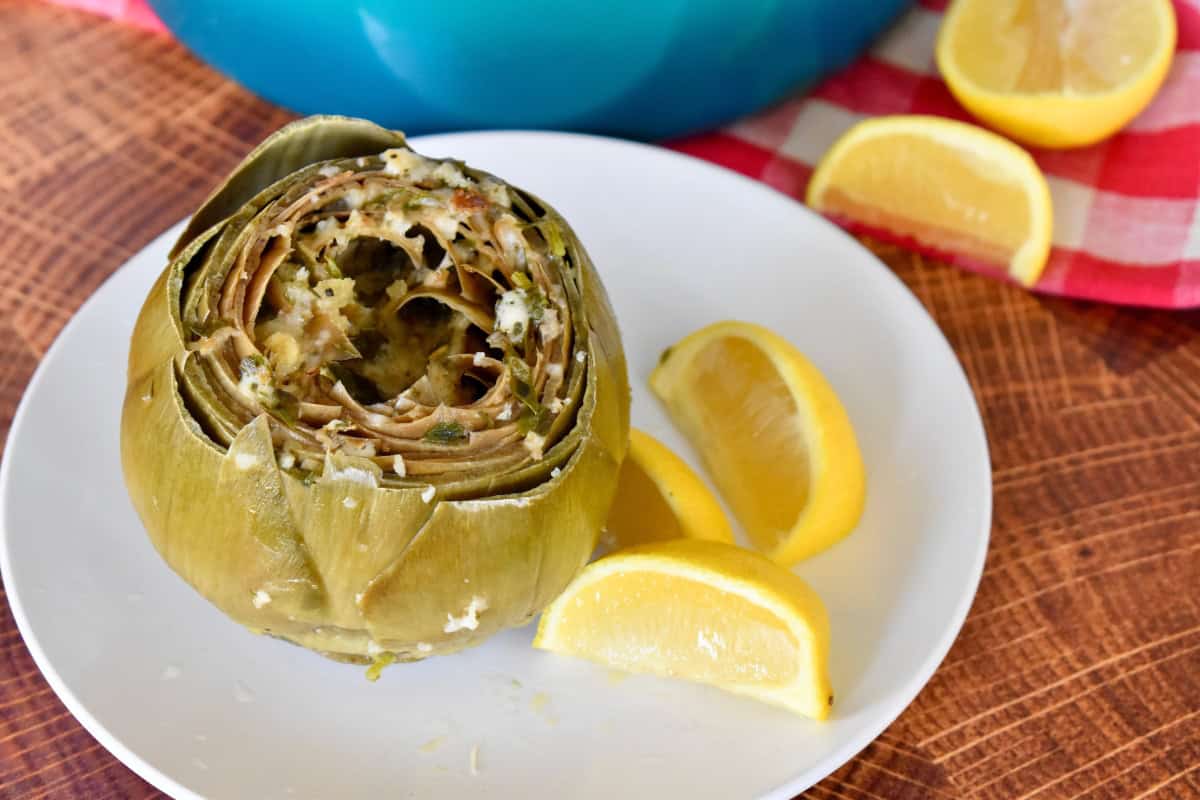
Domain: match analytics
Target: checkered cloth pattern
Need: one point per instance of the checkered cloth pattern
(1126, 211)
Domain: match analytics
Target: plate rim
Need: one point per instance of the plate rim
(895, 703)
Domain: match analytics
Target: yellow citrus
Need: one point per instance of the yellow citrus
(704, 611)
(659, 497)
(1056, 73)
(772, 433)
(946, 185)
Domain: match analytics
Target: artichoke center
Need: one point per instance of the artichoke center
(358, 326)
(392, 306)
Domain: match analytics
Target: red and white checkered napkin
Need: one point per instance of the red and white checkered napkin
(1126, 211)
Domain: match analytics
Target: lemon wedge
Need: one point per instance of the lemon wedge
(1056, 73)
(659, 497)
(703, 611)
(772, 434)
(947, 185)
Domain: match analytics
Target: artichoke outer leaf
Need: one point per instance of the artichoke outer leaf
(225, 530)
(352, 531)
(510, 554)
(158, 333)
(282, 154)
(606, 354)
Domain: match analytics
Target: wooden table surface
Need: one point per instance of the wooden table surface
(1078, 671)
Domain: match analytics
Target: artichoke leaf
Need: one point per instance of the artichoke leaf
(158, 332)
(352, 529)
(496, 544)
(283, 154)
(205, 403)
(226, 530)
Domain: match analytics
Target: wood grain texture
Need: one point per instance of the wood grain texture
(1078, 671)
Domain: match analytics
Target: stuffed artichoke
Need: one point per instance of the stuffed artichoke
(376, 402)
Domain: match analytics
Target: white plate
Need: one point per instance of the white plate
(199, 707)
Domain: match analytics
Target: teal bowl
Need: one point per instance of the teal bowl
(644, 69)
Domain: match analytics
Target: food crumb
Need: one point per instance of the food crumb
(242, 693)
(535, 443)
(377, 666)
(245, 461)
(470, 616)
(261, 598)
(433, 744)
(473, 760)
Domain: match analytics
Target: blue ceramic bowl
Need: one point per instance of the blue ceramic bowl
(640, 68)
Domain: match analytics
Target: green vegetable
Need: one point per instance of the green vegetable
(519, 368)
(446, 433)
(378, 664)
(377, 534)
(532, 418)
(535, 301)
(554, 238)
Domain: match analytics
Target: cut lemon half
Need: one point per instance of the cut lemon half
(771, 432)
(703, 611)
(1056, 73)
(949, 186)
(659, 498)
